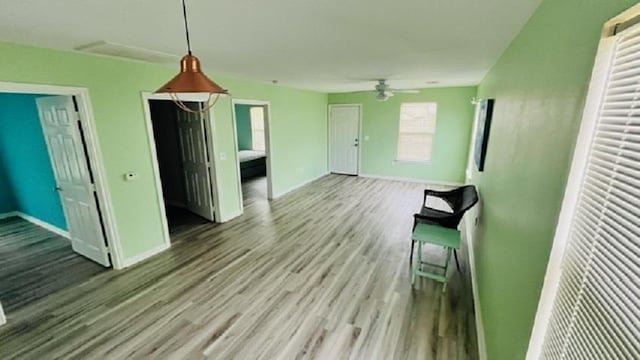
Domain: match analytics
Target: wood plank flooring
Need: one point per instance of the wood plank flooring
(254, 190)
(35, 263)
(321, 273)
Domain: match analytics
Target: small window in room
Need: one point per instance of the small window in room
(257, 128)
(417, 130)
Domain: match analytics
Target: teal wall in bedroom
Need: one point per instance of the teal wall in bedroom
(24, 161)
(243, 126)
(7, 199)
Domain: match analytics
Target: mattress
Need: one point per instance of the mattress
(248, 155)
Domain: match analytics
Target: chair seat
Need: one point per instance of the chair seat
(437, 235)
(434, 213)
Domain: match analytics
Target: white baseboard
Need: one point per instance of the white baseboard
(3, 319)
(405, 179)
(8, 214)
(300, 185)
(468, 229)
(145, 255)
(45, 225)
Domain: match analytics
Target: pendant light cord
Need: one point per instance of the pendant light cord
(186, 26)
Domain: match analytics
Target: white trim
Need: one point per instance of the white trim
(151, 142)
(236, 152)
(8, 215)
(214, 174)
(412, 180)
(596, 93)
(3, 319)
(43, 224)
(296, 187)
(96, 161)
(360, 135)
(267, 143)
(472, 145)
(145, 255)
(469, 225)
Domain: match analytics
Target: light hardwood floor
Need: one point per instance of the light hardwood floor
(254, 190)
(321, 273)
(35, 263)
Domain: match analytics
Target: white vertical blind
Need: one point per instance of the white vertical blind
(257, 128)
(416, 131)
(596, 311)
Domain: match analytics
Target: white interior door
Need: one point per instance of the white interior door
(61, 124)
(344, 139)
(195, 162)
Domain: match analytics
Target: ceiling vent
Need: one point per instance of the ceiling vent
(128, 52)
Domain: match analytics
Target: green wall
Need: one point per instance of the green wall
(298, 130)
(380, 124)
(243, 126)
(539, 85)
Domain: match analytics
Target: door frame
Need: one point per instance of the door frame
(151, 142)
(267, 142)
(3, 319)
(94, 154)
(360, 137)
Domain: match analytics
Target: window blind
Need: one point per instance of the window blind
(596, 310)
(257, 128)
(417, 128)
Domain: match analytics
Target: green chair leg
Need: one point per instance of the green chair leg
(446, 267)
(434, 235)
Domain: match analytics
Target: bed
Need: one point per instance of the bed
(252, 164)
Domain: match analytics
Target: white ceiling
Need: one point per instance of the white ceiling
(324, 45)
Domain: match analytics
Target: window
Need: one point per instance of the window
(595, 307)
(417, 130)
(257, 128)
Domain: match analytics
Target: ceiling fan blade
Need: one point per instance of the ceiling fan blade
(407, 91)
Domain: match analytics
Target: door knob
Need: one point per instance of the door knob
(57, 188)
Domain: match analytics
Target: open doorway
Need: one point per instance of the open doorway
(54, 231)
(184, 162)
(252, 143)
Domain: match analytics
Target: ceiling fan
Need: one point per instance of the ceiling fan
(384, 92)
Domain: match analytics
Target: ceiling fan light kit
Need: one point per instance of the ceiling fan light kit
(191, 79)
(384, 91)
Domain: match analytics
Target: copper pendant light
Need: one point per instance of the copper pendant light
(191, 79)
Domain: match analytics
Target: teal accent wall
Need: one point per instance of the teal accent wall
(243, 126)
(380, 122)
(539, 84)
(298, 131)
(25, 160)
(7, 199)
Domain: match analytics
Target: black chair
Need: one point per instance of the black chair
(459, 200)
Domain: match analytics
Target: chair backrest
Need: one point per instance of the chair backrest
(460, 200)
(467, 196)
